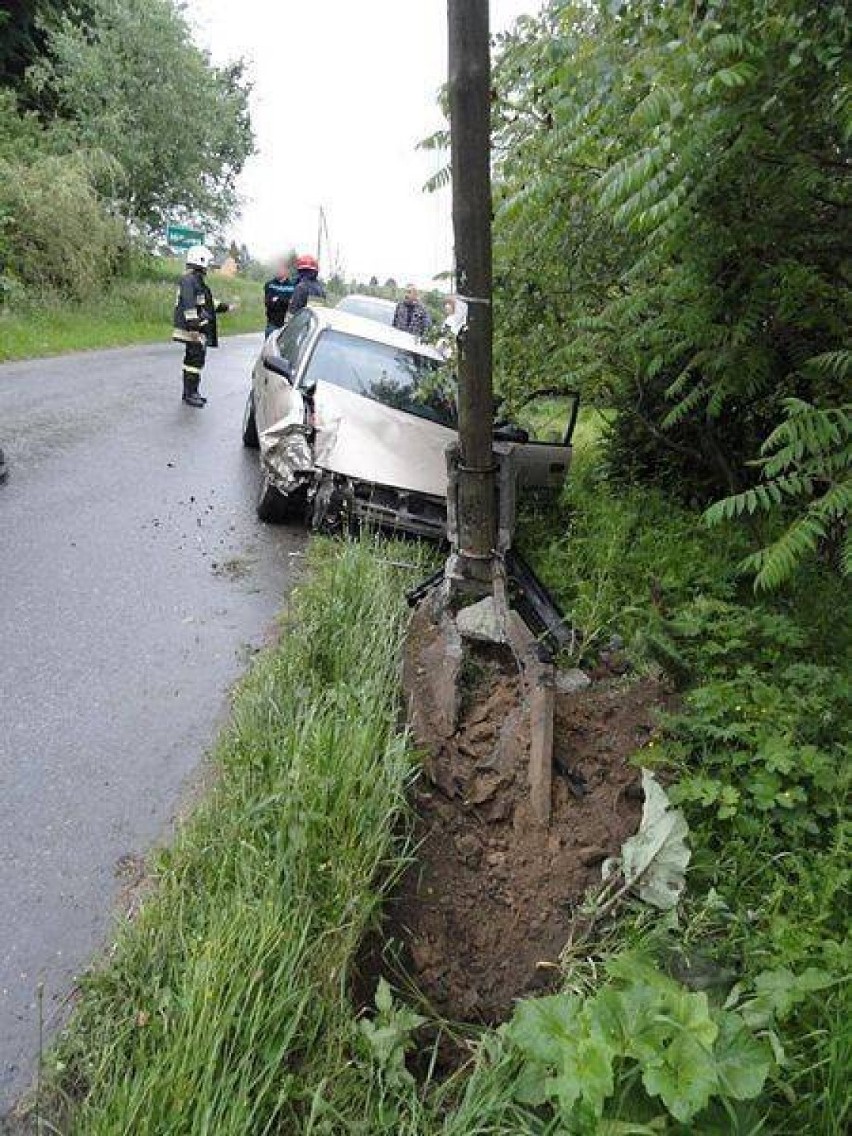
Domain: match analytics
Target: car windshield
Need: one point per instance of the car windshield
(393, 376)
(377, 310)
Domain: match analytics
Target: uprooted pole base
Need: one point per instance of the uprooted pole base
(463, 617)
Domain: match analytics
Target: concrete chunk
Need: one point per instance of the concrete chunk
(572, 681)
(482, 622)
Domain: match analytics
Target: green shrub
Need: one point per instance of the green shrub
(58, 236)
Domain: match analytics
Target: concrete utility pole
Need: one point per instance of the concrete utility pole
(470, 128)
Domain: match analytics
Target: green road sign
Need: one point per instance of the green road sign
(182, 237)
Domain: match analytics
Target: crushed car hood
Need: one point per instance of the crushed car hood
(364, 439)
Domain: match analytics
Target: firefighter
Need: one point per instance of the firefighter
(308, 283)
(195, 321)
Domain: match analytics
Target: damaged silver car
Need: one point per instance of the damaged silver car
(352, 420)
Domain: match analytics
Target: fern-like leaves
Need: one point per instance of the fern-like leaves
(806, 463)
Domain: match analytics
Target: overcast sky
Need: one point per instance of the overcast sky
(343, 91)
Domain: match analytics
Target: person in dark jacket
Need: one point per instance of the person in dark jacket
(411, 315)
(277, 294)
(307, 284)
(195, 321)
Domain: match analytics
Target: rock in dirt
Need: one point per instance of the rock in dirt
(572, 681)
(470, 850)
(481, 622)
(484, 788)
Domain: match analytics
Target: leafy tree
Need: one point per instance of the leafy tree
(670, 195)
(808, 459)
(130, 83)
(22, 36)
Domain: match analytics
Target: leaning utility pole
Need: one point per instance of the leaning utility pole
(468, 604)
(470, 131)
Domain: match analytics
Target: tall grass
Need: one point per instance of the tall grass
(134, 308)
(223, 1007)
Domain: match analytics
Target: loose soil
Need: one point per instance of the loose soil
(484, 911)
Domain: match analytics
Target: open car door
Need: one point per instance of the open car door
(542, 429)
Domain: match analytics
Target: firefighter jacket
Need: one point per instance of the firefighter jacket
(195, 311)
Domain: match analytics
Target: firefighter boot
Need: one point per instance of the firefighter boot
(191, 396)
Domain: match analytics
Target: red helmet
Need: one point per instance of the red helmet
(307, 261)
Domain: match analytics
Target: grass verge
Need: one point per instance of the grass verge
(136, 308)
(223, 1007)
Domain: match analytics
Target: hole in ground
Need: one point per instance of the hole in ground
(482, 914)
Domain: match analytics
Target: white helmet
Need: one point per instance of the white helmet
(199, 256)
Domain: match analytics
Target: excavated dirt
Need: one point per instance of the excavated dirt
(482, 914)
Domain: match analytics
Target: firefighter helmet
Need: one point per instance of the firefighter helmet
(307, 261)
(199, 256)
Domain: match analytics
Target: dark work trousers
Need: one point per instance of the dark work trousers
(193, 364)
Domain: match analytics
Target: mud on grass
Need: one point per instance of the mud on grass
(483, 912)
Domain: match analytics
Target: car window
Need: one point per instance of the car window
(393, 376)
(292, 338)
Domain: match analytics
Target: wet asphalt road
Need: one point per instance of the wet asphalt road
(134, 582)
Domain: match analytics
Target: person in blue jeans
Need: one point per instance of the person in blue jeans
(277, 294)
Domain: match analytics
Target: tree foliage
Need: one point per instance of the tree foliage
(132, 84)
(806, 459)
(23, 35)
(111, 119)
(55, 235)
(671, 182)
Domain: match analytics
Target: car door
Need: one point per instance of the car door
(276, 396)
(545, 422)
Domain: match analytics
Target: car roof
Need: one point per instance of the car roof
(380, 300)
(370, 329)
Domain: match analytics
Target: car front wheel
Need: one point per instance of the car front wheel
(250, 437)
(271, 504)
(275, 506)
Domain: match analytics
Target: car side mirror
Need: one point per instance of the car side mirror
(280, 366)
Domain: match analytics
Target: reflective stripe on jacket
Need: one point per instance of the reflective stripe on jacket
(195, 310)
(276, 299)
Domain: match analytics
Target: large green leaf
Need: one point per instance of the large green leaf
(684, 1077)
(743, 1061)
(542, 1026)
